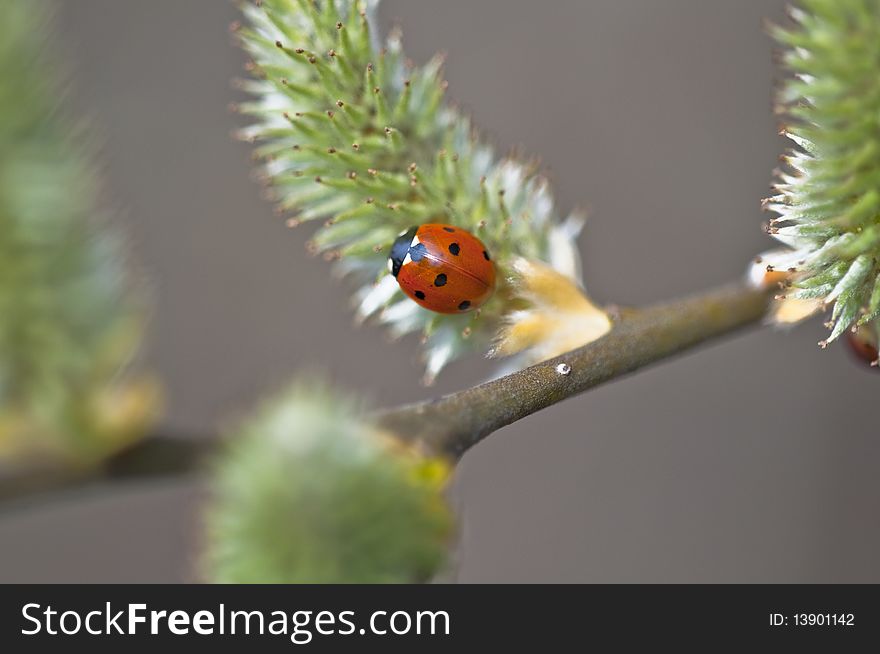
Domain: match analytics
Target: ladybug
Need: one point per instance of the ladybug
(443, 268)
(863, 347)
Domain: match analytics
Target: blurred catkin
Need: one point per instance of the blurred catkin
(68, 321)
(309, 491)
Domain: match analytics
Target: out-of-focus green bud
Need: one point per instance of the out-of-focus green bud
(70, 321)
(308, 490)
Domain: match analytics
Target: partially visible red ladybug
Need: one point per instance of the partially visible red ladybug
(863, 346)
(444, 268)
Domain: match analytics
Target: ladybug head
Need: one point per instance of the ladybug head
(400, 249)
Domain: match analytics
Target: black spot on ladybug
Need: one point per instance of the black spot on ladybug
(448, 229)
(417, 252)
(486, 255)
(419, 295)
(455, 248)
(465, 305)
(440, 280)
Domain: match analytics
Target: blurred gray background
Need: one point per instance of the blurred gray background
(752, 460)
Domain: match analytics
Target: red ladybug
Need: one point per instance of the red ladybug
(863, 347)
(444, 268)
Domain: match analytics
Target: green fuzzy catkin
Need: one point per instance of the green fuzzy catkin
(66, 320)
(828, 198)
(359, 136)
(308, 491)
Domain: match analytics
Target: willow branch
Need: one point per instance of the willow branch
(456, 422)
(152, 457)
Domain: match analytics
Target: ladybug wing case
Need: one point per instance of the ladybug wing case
(443, 268)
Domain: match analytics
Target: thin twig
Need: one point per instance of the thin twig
(154, 456)
(454, 423)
